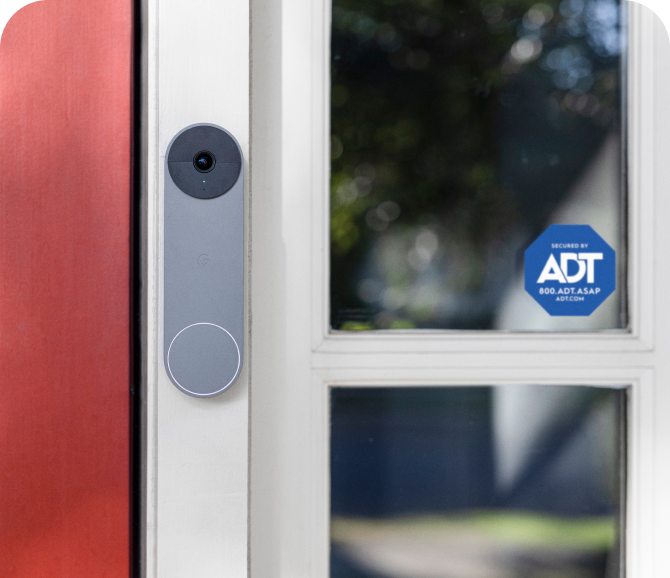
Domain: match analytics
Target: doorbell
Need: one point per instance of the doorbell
(203, 258)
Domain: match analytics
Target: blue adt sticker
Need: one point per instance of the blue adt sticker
(570, 270)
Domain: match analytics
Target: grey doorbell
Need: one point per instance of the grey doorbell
(203, 276)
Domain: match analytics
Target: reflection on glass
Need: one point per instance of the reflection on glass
(460, 131)
(487, 482)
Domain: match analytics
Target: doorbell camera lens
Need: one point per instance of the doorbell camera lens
(204, 161)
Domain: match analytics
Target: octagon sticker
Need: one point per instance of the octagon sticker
(570, 270)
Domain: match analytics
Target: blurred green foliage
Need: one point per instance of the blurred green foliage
(505, 527)
(397, 125)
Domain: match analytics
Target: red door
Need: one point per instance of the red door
(65, 198)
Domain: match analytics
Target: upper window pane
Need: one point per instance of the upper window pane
(461, 129)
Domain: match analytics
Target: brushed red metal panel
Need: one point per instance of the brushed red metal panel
(65, 179)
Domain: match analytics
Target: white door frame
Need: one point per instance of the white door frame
(199, 453)
(196, 453)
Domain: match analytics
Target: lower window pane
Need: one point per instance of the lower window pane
(477, 482)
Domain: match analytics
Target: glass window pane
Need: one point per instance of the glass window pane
(484, 482)
(460, 130)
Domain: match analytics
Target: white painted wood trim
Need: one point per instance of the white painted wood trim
(152, 356)
(288, 412)
(641, 179)
(640, 507)
(657, 411)
(197, 449)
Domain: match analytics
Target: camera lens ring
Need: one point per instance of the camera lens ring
(204, 162)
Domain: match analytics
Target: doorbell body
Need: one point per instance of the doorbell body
(203, 259)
